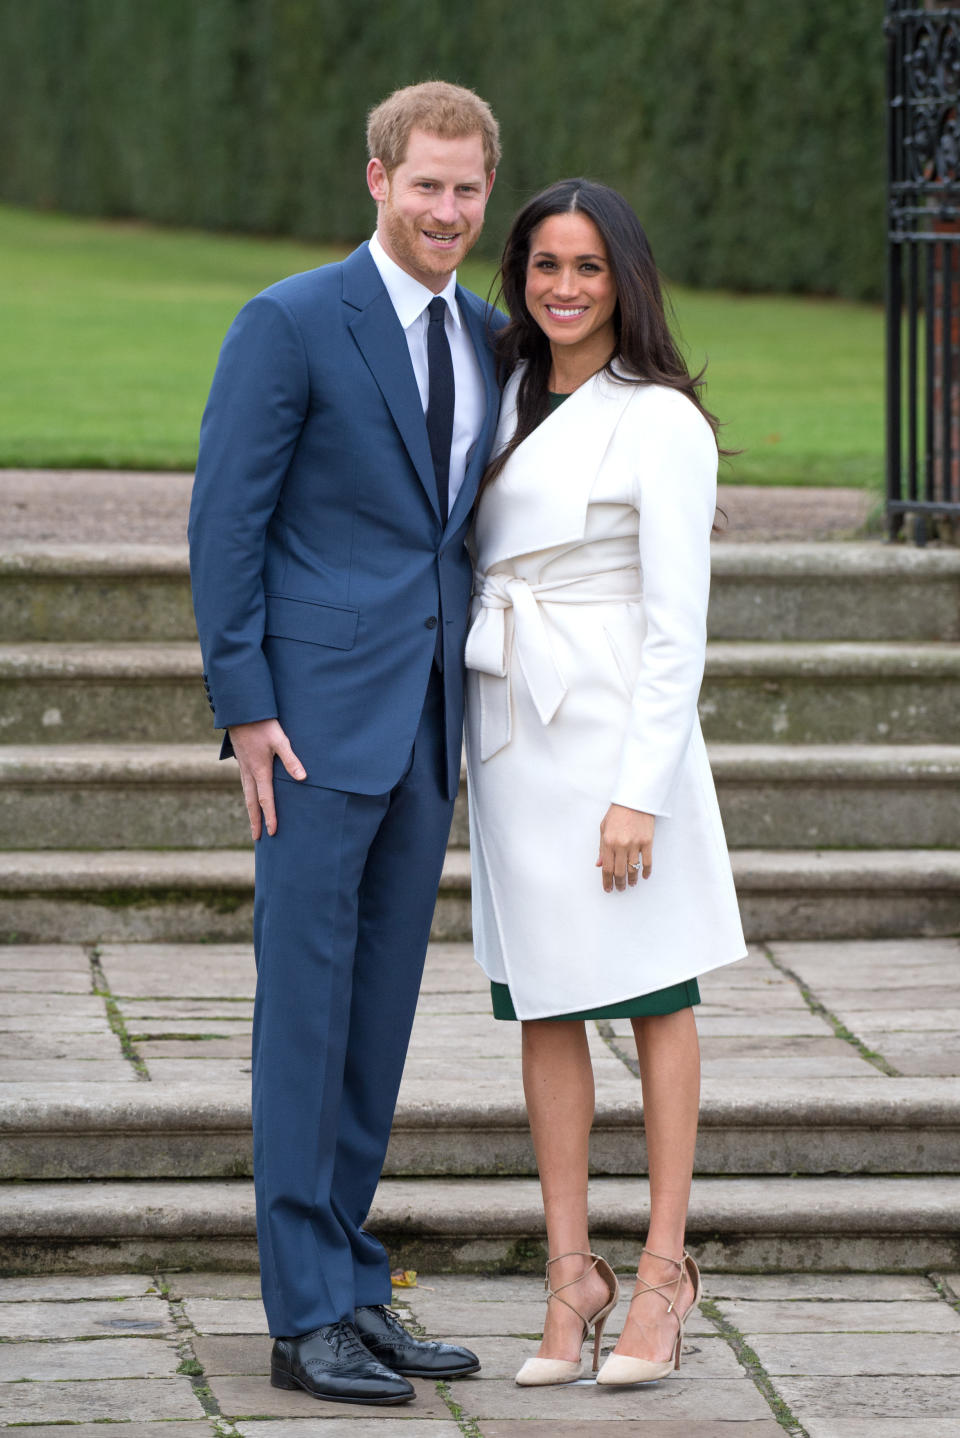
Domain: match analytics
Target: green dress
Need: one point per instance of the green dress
(661, 1001)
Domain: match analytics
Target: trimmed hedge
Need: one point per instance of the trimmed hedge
(748, 135)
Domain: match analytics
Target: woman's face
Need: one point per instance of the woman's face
(570, 291)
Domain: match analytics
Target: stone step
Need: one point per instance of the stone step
(53, 896)
(772, 796)
(493, 1224)
(797, 693)
(77, 592)
(834, 591)
(823, 1126)
(788, 591)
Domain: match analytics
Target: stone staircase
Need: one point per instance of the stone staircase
(831, 704)
(831, 707)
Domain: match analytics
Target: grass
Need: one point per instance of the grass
(109, 334)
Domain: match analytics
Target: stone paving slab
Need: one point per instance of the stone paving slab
(232, 1046)
(226, 1355)
(62, 1287)
(108, 1400)
(637, 1428)
(42, 1044)
(845, 1355)
(30, 981)
(923, 1057)
(918, 1400)
(679, 1397)
(141, 1015)
(50, 1026)
(829, 1287)
(30, 1071)
(226, 1315)
(103, 1358)
(199, 1070)
(893, 997)
(95, 1319)
(882, 1428)
(798, 1022)
(200, 1284)
(49, 958)
(128, 1430)
(241, 1397)
(161, 1028)
(52, 1008)
(798, 1316)
(846, 1065)
(918, 1020)
(863, 954)
(176, 971)
(350, 1423)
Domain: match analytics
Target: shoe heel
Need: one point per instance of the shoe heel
(279, 1379)
(597, 1341)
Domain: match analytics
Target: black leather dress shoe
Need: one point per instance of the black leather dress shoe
(384, 1336)
(332, 1363)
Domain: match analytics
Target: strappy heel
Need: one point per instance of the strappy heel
(620, 1368)
(538, 1372)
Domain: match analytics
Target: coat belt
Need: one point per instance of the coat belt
(486, 650)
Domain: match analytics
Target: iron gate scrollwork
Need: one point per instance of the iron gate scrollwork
(923, 276)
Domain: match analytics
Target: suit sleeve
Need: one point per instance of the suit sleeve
(250, 428)
(675, 493)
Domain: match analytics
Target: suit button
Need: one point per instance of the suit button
(430, 623)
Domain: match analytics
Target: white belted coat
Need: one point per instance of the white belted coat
(585, 658)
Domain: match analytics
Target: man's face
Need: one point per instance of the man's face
(430, 209)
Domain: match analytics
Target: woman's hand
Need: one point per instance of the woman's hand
(626, 846)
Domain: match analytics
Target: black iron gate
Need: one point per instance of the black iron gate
(923, 278)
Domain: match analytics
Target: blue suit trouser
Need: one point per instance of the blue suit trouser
(345, 893)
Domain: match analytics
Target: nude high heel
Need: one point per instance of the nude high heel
(538, 1372)
(620, 1368)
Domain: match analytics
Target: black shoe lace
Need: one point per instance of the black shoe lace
(345, 1341)
(391, 1320)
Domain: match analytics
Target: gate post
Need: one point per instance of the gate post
(923, 269)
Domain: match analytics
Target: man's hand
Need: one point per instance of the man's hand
(254, 746)
(626, 844)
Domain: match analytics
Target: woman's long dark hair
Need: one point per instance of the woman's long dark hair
(645, 350)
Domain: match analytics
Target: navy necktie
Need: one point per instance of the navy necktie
(440, 400)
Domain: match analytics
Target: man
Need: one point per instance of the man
(349, 422)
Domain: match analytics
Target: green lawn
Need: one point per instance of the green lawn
(109, 334)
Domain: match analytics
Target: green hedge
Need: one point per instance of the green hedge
(749, 135)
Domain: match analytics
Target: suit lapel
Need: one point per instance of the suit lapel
(477, 463)
(382, 343)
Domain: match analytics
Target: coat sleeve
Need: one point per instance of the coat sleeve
(675, 470)
(250, 428)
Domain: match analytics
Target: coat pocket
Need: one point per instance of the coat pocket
(327, 624)
(628, 676)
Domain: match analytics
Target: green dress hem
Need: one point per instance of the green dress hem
(662, 1001)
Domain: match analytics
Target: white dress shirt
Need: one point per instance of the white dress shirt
(410, 300)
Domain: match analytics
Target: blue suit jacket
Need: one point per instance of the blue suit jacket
(320, 567)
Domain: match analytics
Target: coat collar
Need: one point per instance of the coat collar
(381, 340)
(560, 459)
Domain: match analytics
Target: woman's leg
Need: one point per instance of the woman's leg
(558, 1087)
(669, 1055)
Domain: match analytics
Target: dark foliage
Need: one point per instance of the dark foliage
(748, 135)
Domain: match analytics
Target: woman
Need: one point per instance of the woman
(586, 656)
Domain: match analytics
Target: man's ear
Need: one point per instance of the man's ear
(490, 179)
(378, 181)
